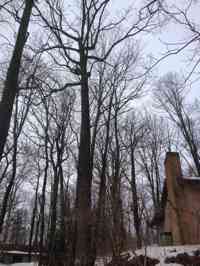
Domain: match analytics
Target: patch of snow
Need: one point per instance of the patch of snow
(156, 252)
(19, 252)
(161, 253)
(102, 261)
(191, 177)
(21, 264)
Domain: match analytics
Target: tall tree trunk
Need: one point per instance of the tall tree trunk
(53, 220)
(70, 234)
(42, 214)
(43, 196)
(83, 196)
(14, 169)
(11, 82)
(136, 218)
(62, 210)
(35, 241)
(8, 218)
(33, 216)
(100, 216)
(117, 211)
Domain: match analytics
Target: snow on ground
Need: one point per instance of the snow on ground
(21, 264)
(160, 253)
(20, 252)
(191, 177)
(102, 261)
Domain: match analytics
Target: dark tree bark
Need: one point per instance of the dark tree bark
(33, 217)
(17, 129)
(83, 201)
(11, 82)
(100, 215)
(10, 208)
(43, 196)
(14, 169)
(37, 227)
(137, 219)
(117, 211)
(53, 208)
(62, 210)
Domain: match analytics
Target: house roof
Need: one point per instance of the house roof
(159, 214)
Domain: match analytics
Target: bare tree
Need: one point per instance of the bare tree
(79, 47)
(35, 207)
(135, 129)
(11, 82)
(170, 95)
(59, 142)
(18, 123)
(150, 153)
(179, 14)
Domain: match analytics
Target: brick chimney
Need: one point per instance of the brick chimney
(173, 167)
(173, 172)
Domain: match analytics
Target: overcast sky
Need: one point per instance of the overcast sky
(153, 44)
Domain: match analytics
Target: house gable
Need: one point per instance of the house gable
(179, 212)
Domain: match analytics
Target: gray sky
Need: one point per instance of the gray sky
(153, 44)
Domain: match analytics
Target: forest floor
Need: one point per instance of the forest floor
(161, 256)
(150, 256)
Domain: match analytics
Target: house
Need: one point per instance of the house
(179, 215)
